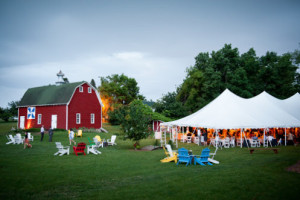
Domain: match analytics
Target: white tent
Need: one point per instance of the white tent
(292, 105)
(229, 111)
(271, 111)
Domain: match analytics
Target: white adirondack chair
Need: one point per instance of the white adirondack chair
(92, 149)
(61, 149)
(170, 151)
(18, 139)
(212, 158)
(98, 143)
(10, 139)
(30, 137)
(112, 140)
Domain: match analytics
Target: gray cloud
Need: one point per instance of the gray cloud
(151, 41)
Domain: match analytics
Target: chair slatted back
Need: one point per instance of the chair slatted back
(80, 147)
(204, 155)
(183, 152)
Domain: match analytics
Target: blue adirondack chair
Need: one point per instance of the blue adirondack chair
(184, 157)
(203, 159)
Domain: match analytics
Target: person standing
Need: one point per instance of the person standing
(42, 133)
(50, 134)
(71, 137)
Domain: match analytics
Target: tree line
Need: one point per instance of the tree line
(9, 112)
(246, 75)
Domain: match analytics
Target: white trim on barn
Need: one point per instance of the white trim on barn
(67, 116)
(59, 104)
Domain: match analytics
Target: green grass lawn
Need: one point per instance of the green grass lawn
(121, 173)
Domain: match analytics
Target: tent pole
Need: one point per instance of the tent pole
(285, 136)
(264, 136)
(242, 130)
(176, 137)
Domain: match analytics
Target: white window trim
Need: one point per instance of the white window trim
(39, 119)
(80, 89)
(78, 118)
(92, 118)
(89, 90)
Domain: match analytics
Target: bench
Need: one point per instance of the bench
(274, 149)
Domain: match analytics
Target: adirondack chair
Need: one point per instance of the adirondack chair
(10, 139)
(112, 140)
(62, 149)
(184, 157)
(91, 142)
(30, 137)
(79, 133)
(171, 156)
(97, 142)
(92, 149)
(80, 148)
(203, 159)
(98, 138)
(18, 139)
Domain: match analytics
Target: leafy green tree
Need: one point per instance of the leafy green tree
(170, 107)
(279, 74)
(120, 88)
(117, 115)
(246, 75)
(93, 83)
(13, 107)
(117, 90)
(5, 114)
(135, 124)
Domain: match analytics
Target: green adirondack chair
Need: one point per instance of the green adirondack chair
(91, 142)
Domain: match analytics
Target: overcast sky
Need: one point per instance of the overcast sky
(151, 41)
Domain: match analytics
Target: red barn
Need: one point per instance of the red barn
(64, 106)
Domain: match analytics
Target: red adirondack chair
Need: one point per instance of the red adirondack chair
(80, 148)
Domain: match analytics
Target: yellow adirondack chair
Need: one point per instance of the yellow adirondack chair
(98, 138)
(79, 133)
(171, 156)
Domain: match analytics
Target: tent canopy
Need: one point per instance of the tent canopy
(229, 111)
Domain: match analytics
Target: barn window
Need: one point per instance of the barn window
(39, 118)
(92, 118)
(90, 90)
(80, 89)
(77, 118)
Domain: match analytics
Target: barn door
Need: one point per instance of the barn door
(22, 122)
(54, 121)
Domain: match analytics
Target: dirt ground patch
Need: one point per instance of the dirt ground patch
(148, 148)
(294, 168)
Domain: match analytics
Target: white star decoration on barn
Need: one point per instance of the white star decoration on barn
(31, 113)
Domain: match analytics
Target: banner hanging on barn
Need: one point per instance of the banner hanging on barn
(31, 113)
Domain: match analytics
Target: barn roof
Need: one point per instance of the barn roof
(49, 95)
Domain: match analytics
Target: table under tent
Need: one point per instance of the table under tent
(229, 111)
